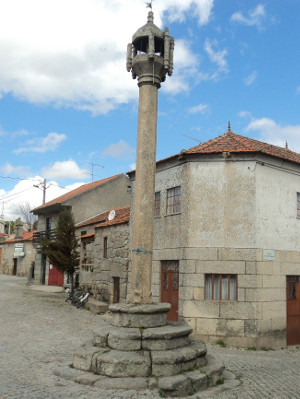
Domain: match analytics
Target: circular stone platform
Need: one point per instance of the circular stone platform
(140, 347)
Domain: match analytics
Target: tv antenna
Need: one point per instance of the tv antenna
(94, 164)
(190, 137)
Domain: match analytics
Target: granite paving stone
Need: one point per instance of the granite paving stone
(40, 332)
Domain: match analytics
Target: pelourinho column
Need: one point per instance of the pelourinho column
(150, 58)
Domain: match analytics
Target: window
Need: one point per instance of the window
(157, 205)
(221, 287)
(292, 282)
(48, 223)
(298, 205)
(173, 200)
(105, 247)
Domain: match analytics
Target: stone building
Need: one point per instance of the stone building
(104, 254)
(227, 240)
(85, 202)
(17, 253)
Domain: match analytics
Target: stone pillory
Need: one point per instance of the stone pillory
(149, 58)
(150, 43)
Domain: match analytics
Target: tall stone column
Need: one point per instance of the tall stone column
(142, 229)
(150, 58)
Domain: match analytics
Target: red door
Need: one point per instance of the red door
(293, 310)
(169, 286)
(55, 276)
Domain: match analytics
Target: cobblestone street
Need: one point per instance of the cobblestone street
(39, 332)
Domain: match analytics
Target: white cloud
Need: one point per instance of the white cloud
(184, 70)
(25, 191)
(272, 132)
(249, 80)
(121, 150)
(65, 170)
(255, 17)
(218, 57)
(71, 53)
(42, 144)
(11, 170)
(177, 10)
(201, 109)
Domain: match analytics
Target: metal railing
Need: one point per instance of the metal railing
(49, 234)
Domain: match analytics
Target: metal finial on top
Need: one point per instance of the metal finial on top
(149, 5)
(229, 127)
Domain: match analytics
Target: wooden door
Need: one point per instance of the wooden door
(55, 277)
(293, 310)
(169, 287)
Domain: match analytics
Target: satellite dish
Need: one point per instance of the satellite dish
(111, 215)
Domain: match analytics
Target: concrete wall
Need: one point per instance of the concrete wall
(277, 226)
(111, 194)
(221, 204)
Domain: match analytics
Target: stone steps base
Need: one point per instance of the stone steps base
(181, 385)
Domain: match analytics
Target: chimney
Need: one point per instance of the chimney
(19, 230)
(2, 226)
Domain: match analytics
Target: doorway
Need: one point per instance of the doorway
(169, 286)
(15, 267)
(292, 310)
(116, 289)
(55, 277)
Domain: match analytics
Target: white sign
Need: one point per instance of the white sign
(19, 249)
(269, 254)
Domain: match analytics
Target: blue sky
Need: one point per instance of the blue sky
(67, 103)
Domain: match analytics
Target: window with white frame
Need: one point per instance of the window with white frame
(173, 200)
(298, 205)
(221, 287)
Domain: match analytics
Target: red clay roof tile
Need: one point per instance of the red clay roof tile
(95, 219)
(122, 216)
(232, 142)
(27, 236)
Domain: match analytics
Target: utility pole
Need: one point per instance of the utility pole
(42, 186)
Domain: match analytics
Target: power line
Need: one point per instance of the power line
(14, 194)
(18, 178)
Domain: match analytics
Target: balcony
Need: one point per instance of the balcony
(49, 234)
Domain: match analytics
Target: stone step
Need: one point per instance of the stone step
(175, 361)
(114, 363)
(125, 339)
(95, 306)
(166, 337)
(140, 316)
(158, 338)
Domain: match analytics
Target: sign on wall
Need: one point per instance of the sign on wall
(269, 254)
(19, 249)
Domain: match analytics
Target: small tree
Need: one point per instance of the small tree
(24, 210)
(63, 250)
